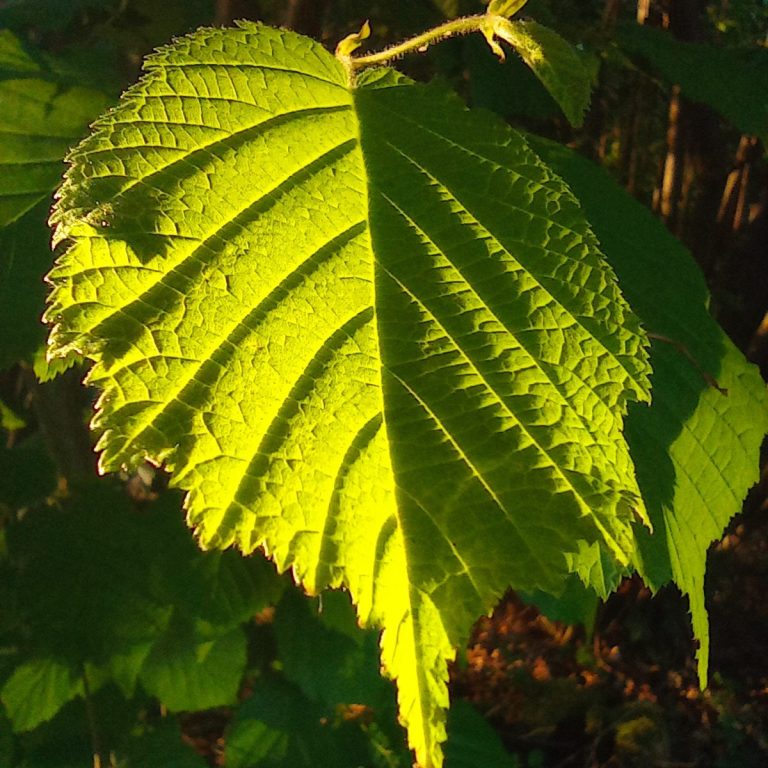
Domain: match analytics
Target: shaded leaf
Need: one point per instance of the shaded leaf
(27, 473)
(472, 742)
(733, 81)
(37, 690)
(277, 727)
(696, 450)
(25, 255)
(162, 747)
(42, 116)
(150, 605)
(189, 672)
(89, 560)
(509, 88)
(326, 654)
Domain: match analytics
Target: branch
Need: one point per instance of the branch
(683, 350)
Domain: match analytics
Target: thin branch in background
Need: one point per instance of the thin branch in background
(667, 196)
(90, 714)
(643, 10)
(60, 410)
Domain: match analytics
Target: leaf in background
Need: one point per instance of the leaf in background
(472, 742)
(576, 604)
(49, 15)
(150, 606)
(25, 255)
(37, 690)
(367, 329)
(163, 747)
(278, 727)
(89, 560)
(696, 450)
(9, 419)
(42, 116)
(7, 746)
(555, 62)
(27, 473)
(187, 671)
(337, 664)
(733, 81)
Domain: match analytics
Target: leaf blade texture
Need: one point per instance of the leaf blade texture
(367, 329)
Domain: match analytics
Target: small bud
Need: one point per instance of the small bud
(352, 42)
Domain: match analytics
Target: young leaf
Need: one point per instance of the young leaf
(506, 8)
(42, 117)
(696, 449)
(366, 328)
(554, 61)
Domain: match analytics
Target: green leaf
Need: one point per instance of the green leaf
(555, 62)
(25, 255)
(472, 742)
(49, 15)
(696, 450)
(9, 419)
(163, 746)
(509, 88)
(367, 329)
(733, 81)
(43, 115)
(506, 8)
(576, 604)
(37, 690)
(88, 560)
(277, 727)
(187, 672)
(27, 473)
(349, 672)
(151, 606)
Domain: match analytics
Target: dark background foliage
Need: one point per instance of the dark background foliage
(123, 645)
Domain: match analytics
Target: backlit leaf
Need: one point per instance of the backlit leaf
(367, 330)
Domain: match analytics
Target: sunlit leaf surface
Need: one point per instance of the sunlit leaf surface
(367, 330)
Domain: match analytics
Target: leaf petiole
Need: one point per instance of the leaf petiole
(486, 23)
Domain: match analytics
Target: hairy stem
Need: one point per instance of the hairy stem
(463, 26)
